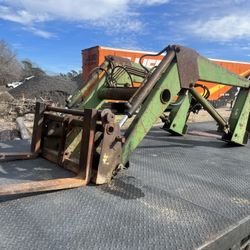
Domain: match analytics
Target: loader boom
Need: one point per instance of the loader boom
(95, 143)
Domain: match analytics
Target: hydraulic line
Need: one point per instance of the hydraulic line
(208, 107)
(146, 55)
(125, 70)
(91, 82)
(195, 106)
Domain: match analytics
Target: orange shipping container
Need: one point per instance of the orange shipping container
(94, 56)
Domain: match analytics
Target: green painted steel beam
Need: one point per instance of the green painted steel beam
(166, 89)
(92, 100)
(239, 119)
(211, 72)
(94, 77)
(179, 115)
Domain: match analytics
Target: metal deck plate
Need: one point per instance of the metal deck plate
(179, 193)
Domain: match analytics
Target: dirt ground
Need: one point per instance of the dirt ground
(203, 115)
(10, 109)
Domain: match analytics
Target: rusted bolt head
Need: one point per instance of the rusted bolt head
(110, 117)
(120, 139)
(177, 49)
(107, 116)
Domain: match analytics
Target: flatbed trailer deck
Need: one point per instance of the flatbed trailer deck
(189, 192)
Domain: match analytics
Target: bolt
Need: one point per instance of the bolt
(120, 139)
(177, 49)
(107, 116)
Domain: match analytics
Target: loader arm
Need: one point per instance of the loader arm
(95, 143)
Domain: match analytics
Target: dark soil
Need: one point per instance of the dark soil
(78, 79)
(49, 88)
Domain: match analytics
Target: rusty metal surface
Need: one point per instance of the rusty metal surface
(65, 111)
(37, 127)
(17, 156)
(108, 152)
(52, 156)
(56, 118)
(187, 66)
(89, 85)
(110, 155)
(177, 194)
(40, 132)
(41, 186)
(87, 145)
(56, 139)
(117, 60)
(124, 93)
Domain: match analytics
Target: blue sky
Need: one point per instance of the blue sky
(52, 33)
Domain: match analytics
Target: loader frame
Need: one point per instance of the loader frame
(171, 83)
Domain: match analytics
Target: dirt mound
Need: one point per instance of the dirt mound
(78, 79)
(5, 97)
(49, 88)
(3, 88)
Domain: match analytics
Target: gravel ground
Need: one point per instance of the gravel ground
(49, 88)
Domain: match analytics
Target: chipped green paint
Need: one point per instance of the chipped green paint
(153, 107)
(239, 118)
(92, 100)
(150, 111)
(179, 115)
(211, 72)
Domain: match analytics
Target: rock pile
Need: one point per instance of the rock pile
(46, 88)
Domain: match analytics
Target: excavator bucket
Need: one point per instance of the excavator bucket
(87, 143)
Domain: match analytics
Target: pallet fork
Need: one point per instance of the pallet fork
(88, 140)
(75, 140)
